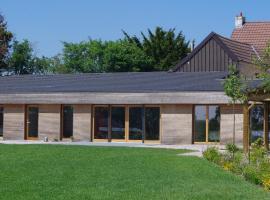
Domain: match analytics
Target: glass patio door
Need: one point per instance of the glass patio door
(206, 123)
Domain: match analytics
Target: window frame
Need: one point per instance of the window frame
(26, 118)
(206, 124)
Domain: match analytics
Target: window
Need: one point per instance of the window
(206, 123)
(135, 123)
(1, 121)
(101, 119)
(152, 115)
(214, 124)
(118, 122)
(256, 122)
(67, 121)
(32, 122)
(200, 124)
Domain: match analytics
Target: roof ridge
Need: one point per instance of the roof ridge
(257, 22)
(234, 40)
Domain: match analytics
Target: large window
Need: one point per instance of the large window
(256, 122)
(67, 121)
(134, 123)
(214, 124)
(101, 120)
(118, 122)
(32, 122)
(206, 123)
(152, 115)
(1, 121)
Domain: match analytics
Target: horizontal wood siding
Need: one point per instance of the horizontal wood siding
(176, 124)
(226, 124)
(13, 122)
(82, 122)
(49, 122)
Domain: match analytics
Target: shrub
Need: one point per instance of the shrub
(266, 182)
(252, 174)
(212, 155)
(231, 148)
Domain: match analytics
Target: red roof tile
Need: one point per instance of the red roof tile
(254, 33)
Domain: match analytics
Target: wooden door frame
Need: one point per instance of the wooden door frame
(62, 121)
(206, 123)
(26, 128)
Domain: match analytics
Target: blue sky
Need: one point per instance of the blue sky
(46, 23)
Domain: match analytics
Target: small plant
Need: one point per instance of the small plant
(212, 154)
(266, 182)
(252, 174)
(55, 139)
(232, 148)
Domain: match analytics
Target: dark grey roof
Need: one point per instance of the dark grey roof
(114, 82)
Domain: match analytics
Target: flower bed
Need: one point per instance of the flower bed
(254, 167)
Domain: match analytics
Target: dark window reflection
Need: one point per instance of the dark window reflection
(256, 122)
(101, 123)
(67, 121)
(1, 121)
(214, 124)
(135, 123)
(200, 124)
(118, 122)
(32, 122)
(152, 115)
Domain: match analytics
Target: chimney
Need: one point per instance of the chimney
(239, 20)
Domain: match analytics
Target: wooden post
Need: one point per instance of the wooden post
(266, 125)
(245, 128)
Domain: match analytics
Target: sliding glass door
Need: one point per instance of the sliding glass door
(32, 122)
(135, 123)
(118, 123)
(206, 123)
(126, 123)
(101, 122)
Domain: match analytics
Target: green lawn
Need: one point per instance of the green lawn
(81, 172)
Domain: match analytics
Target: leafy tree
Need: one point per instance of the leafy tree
(83, 57)
(264, 65)
(165, 48)
(5, 39)
(21, 60)
(234, 88)
(122, 56)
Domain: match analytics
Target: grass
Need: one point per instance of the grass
(82, 172)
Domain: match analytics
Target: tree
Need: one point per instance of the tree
(165, 48)
(234, 88)
(122, 56)
(86, 56)
(21, 60)
(5, 39)
(264, 65)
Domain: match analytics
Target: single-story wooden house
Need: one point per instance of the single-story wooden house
(184, 106)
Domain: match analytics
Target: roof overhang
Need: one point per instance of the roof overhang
(116, 98)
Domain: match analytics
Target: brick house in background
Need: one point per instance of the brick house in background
(184, 106)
